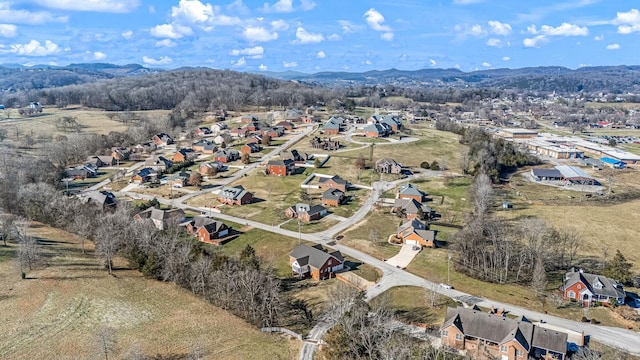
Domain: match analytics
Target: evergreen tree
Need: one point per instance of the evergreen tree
(619, 268)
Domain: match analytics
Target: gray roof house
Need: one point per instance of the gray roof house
(162, 219)
(158, 163)
(410, 191)
(316, 261)
(502, 337)
(586, 287)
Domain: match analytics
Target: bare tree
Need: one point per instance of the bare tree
(432, 295)
(28, 253)
(539, 277)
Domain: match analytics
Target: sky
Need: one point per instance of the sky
(322, 35)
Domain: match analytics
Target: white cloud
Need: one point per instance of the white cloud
(630, 17)
(111, 6)
(99, 55)
(281, 6)
(494, 42)
(291, 64)
(432, 62)
(334, 37)
(305, 37)
(598, 37)
(8, 30)
(499, 28)
(473, 30)
(565, 29)
(466, 2)
(307, 5)
(263, 67)
(255, 52)
(28, 17)
(321, 55)
(388, 36)
(348, 27)
(166, 43)
(171, 31)
(486, 64)
(535, 41)
(628, 29)
(279, 25)
(35, 48)
(127, 34)
(259, 34)
(376, 20)
(240, 63)
(163, 60)
(192, 11)
(506, 58)
(613, 46)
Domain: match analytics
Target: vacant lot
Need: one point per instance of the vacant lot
(56, 311)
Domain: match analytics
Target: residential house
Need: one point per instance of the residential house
(196, 223)
(422, 238)
(333, 126)
(235, 195)
(120, 153)
(226, 155)
(315, 261)
(144, 175)
(158, 163)
(332, 197)
(162, 139)
(252, 127)
(393, 122)
(410, 191)
(211, 168)
(213, 232)
(273, 132)
(295, 155)
(294, 115)
(289, 126)
(250, 148)
(147, 147)
(204, 146)
(218, 127)
(377, 130)
(280, 167)
(240, 132)
(255, 139)
(388, 166)
(82, 172)
(485, 335)
(587, 288)
(305, 212)
(162, 219)
(101, 160)
(411, 225)
(184, 154)
(334, 182)
(411, 209)
(224, 138)
(249, 118)
(178, 180)
(103, 199)
(203, 131)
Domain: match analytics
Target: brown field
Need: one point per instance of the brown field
(56, 311)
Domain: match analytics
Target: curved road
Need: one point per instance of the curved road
(391, 276)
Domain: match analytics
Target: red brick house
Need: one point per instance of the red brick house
(162, 139)
(280, 167)
(211, 167)
(204, 146)
(332, 197)
(286, 125)
(240, 132)
(415, 232)
(224, 156)
(388, 166)
(212, 232)
(249, 118)
(411, 209)
(305, 212)
(592, 288)
(183, 155)
(315, 261)
(235, 195)
(410, 191)
(484, 335)
(334, 182)
(250, 148)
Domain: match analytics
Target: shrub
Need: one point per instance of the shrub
(584, 319)
(425, 165)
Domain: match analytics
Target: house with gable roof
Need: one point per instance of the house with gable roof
(591, 288)
(410, 191)
(388, 166)
(162, 219)
(485, 335)
(315, 261)
(411, 209)
(235, 195)
(212, 232)
(334, 182)
(305, 212)
(415, 232)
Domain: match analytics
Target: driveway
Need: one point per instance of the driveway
(404, 257)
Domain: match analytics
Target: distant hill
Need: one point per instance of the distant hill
(616, 79)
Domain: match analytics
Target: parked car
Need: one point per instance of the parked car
(446, 286)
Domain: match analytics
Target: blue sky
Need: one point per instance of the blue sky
(322, 35)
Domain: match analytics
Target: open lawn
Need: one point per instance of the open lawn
(411, 305)
(56, 312)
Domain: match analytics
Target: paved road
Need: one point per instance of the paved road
(392, 276)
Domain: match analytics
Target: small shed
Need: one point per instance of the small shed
(613, 163)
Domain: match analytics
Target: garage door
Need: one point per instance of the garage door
(411, 242)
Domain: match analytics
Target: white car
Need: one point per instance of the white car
(446, 286)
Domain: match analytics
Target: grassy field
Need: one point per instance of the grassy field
(411, 304)
(56, 311)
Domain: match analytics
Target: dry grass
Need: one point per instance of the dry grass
(55, 313)
(410, 304)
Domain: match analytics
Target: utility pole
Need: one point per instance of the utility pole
(299, 233)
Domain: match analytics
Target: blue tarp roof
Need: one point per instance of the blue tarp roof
(611, 161)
